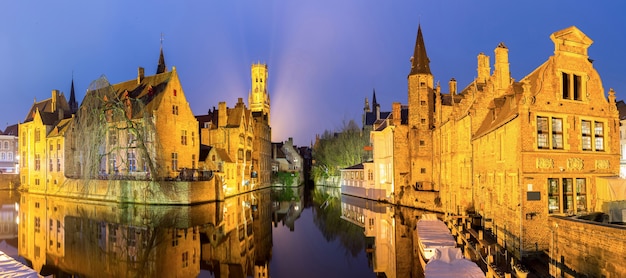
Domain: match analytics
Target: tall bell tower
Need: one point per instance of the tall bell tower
(421, 116)
(259, 98)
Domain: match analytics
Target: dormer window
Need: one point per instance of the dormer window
(572, 87)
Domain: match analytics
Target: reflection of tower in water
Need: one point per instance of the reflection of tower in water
(240, 244)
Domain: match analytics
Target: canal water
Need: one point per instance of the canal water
(273, 232)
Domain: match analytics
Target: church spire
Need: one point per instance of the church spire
(73, 104)
(420, 62)
(374, 102)
(161, 68)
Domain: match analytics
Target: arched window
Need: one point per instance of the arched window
(6, 145)
(3, 156)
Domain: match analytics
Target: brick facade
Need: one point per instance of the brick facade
(513, 152)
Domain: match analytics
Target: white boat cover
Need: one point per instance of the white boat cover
(432, 233)
(9, 267)
(449, 262)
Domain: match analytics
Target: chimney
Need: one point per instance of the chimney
(396, 111)
(55, 95)
(452, 86)
(484, 68)
(501, 72)
(221, 114)
(140, 75)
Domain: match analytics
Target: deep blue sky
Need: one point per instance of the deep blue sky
(324, 56)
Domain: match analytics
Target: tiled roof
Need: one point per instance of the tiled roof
(10, 130)
(61, 127)
(223, 155)
(150, 91)
(370, 117)
(45, 106)
(354, 167)
(502, 110)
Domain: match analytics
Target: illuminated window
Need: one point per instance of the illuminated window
(581, 195)
(132, 161)
(568, 191)
(185, 259)
(174, 161)
(553, 195)
(570, 196)
(37, 162)
(183, 137)
(592, 140)
(549, 133)
(599, 136)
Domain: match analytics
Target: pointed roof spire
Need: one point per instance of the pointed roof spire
(161, 68)
(374, 102)
(73, 104)
(420, 62)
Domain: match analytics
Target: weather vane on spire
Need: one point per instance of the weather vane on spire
(161, 39)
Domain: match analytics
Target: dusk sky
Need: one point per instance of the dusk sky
(324, 57)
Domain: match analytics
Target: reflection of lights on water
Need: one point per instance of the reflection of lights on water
(17, 207)
(17, 220)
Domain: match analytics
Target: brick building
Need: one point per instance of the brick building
(512, 152)
(244, 134)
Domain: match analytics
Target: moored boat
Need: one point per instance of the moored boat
(432, 233)
(449, 262)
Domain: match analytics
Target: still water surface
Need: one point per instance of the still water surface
(277, 232)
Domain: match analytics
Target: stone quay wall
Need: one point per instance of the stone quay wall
(584, 248)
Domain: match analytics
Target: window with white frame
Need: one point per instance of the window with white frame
(549, 133)
(592, 135)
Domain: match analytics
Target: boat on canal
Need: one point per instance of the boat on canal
(432, 234)
(439, 255)
(449, 262)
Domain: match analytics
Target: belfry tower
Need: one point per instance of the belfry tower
(421, 116)
(259, 98)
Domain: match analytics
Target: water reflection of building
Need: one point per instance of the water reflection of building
(287, 206)
(102, 239)
(8, 215)
(240, 244)
(377, 220)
